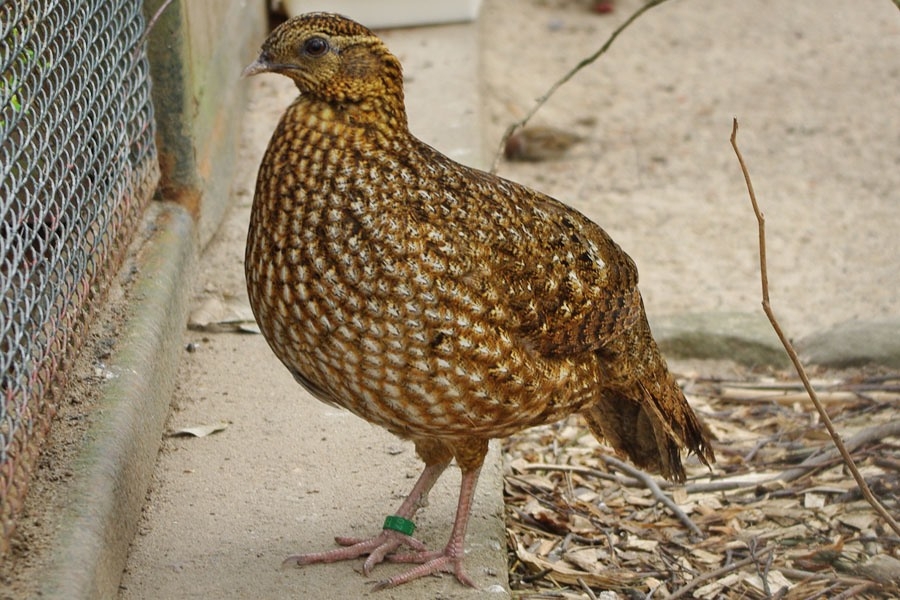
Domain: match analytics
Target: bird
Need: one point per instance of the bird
(445, 304)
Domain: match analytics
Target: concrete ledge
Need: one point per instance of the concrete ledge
(746, 338)
(115, 465)
(854, 344)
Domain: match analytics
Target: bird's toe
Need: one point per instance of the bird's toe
(378, 548)
(448, 560)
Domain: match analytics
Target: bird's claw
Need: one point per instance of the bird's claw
(377, 548)
(432, 563)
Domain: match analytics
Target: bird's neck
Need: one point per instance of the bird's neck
(386, 116)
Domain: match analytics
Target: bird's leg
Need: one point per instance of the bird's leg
(388, 540)
(449, 559)
(417, 498)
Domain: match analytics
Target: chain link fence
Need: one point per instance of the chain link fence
(77, 165)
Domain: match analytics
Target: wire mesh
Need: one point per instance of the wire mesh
(77, 164)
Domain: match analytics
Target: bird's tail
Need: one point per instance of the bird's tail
(649, 421)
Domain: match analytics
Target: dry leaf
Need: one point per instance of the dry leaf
(563, 572)
(709, 558)
(215, 315)
(589, 559)
(711, 590)
(643, 545)
(200, 430)
(813, 500)
(858, 520)
(774, 579)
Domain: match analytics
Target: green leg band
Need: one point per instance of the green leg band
(404, 526)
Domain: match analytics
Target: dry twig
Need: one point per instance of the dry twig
(789, 348)
(867, 435)
(855, 590)
(716, 574)
(152, 23)
(651, 485)
(638, 478)
(587, 590)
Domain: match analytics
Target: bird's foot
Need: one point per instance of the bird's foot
(448, 560)
(377, 548)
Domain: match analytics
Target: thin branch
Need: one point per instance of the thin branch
(596, 473)
(798, 366)
(654, 488)
(586, 589)
(712, 486)
(718, 573)
(856, 590)
(809, 576)
(565, 78)
(762, 573)
(638, 478)
(865, 436)
(536, 576)
(152, 22)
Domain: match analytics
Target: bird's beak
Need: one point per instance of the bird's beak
(260, 65)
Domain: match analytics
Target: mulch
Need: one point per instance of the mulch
(779, 516)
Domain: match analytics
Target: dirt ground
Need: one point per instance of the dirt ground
(814, 86)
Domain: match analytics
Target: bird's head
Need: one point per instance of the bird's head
(331, 58)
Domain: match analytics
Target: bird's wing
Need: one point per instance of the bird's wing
(573, 287)
(558, 282)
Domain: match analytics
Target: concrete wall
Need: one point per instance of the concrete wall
(197, 50)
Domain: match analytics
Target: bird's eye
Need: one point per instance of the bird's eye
(315, 46)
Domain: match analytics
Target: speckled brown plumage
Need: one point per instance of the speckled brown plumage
(445, 304)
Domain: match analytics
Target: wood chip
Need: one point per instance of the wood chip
(585, 525)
